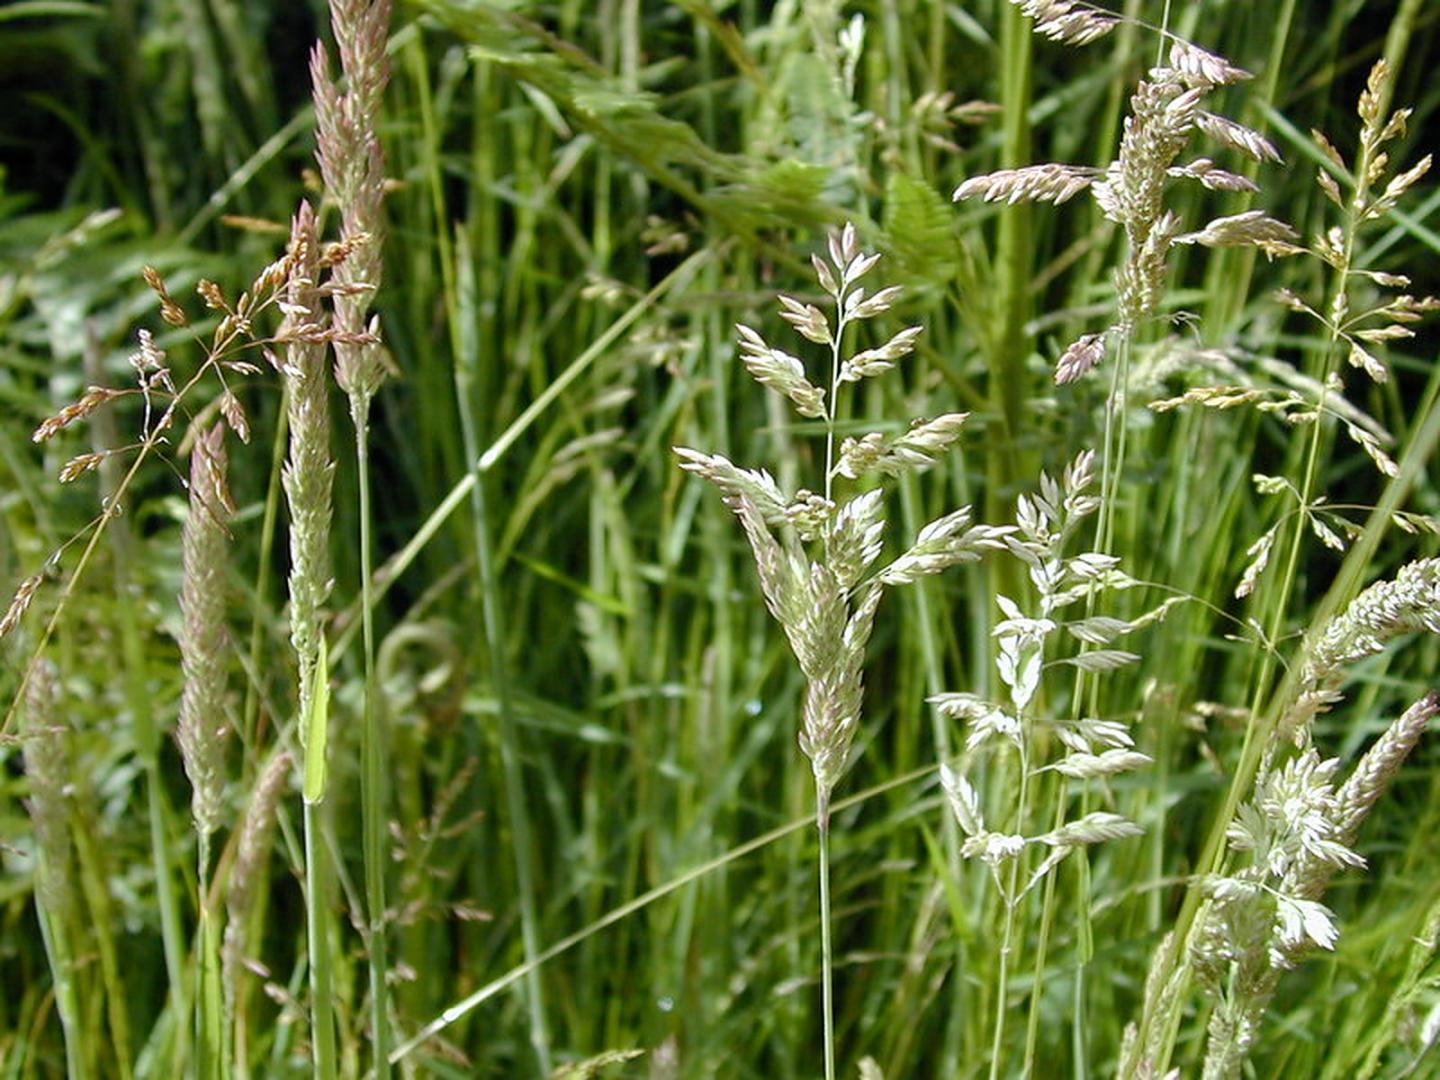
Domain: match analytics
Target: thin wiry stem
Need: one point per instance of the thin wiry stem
(1012, 906)
(372, 762)
(510, 765)
(209, 1009)
(67, 1002)
(834, 386)
(827, 993)
(822, 795)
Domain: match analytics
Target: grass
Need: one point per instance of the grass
(563, 814)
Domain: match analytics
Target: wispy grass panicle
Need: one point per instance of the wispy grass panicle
(1020, 854)
(353, 165)
(818, 575)
(1165, 115)
(1262, 918)
(826, 603)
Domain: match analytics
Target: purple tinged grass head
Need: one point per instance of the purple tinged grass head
(353, 167)
(204, 639)
(309, 469)
(255, 833)
(48, 767)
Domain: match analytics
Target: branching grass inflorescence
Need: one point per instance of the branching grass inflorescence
(815, 554)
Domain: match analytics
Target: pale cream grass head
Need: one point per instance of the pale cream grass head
(1068, 21)
(825, 601)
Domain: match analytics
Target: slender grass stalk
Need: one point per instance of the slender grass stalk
(1012, 901)
(67, 998)
(510, 763)
(373, 744)
(352, 163)
(319, 932)
(827, 961)
(466, 365)
(212, 1060)
(822, 793)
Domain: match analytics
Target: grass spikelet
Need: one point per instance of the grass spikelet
(20, 603)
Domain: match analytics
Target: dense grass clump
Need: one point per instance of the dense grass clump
(458, 627)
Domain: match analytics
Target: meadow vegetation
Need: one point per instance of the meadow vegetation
(719, 539)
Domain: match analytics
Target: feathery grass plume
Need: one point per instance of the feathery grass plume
(1261, 920)
(1046, 523)
(1164, 116)
(818, 577)
(353, 167)
(202, 725)
(202, 728)
(826, 605)
(1068, 21)
(1258, 921)
(255, 832)
(309, 470)
(307, 478)
(1387, 609)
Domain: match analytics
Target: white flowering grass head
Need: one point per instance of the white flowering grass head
(818, 556)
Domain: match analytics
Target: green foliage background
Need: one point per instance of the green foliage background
(586, 197)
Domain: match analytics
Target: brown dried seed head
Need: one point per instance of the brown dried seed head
(170, 311)
(93, 398)
(234, 414)
(79, 466)
(150, 357)
(23, 595)
(212, 294)
(1080, 357)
